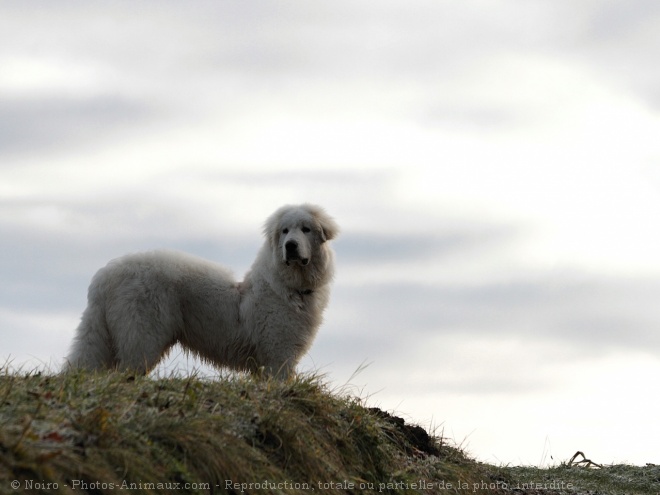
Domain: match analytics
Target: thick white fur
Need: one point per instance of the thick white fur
(142, 304)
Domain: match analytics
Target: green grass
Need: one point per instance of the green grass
(100, 433)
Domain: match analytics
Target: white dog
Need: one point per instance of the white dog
(142, 304)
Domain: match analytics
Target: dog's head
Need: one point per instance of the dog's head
(297, 233)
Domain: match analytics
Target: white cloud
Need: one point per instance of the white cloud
(47, 333)
(36, 76)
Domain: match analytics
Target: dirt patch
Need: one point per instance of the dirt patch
(416, 436)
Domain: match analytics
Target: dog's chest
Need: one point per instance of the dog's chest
(301, 300)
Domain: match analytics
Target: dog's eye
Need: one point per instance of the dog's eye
(306, 230)
(285, 231)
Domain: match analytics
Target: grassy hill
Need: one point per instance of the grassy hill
(86, 433)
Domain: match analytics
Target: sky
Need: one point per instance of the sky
(494, 166)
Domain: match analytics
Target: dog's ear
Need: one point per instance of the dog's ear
(272, 226)
(329, 228)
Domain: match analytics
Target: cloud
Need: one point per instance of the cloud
(52, 247)
(616, 41)
(44, 125)
(587, 315)
(416, 243)
(616, 22)
(35, 339)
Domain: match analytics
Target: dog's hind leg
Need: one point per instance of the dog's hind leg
(141, 357)
(92, 346)
(141, 343)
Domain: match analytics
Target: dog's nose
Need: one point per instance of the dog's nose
(291, 246)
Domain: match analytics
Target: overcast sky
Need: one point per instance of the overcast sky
(494, 165)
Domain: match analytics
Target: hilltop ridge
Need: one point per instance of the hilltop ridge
(99, 433)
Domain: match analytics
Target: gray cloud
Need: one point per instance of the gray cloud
(594, 315)
(438, 241)
(486, 117)
(35, 125)
(617, 21)
(50, 268)
(306, 178)
(244, 56)
(616, 41)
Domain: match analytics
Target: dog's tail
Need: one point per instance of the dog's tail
(92, 347)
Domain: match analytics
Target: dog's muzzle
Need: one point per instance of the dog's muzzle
(291, 253)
